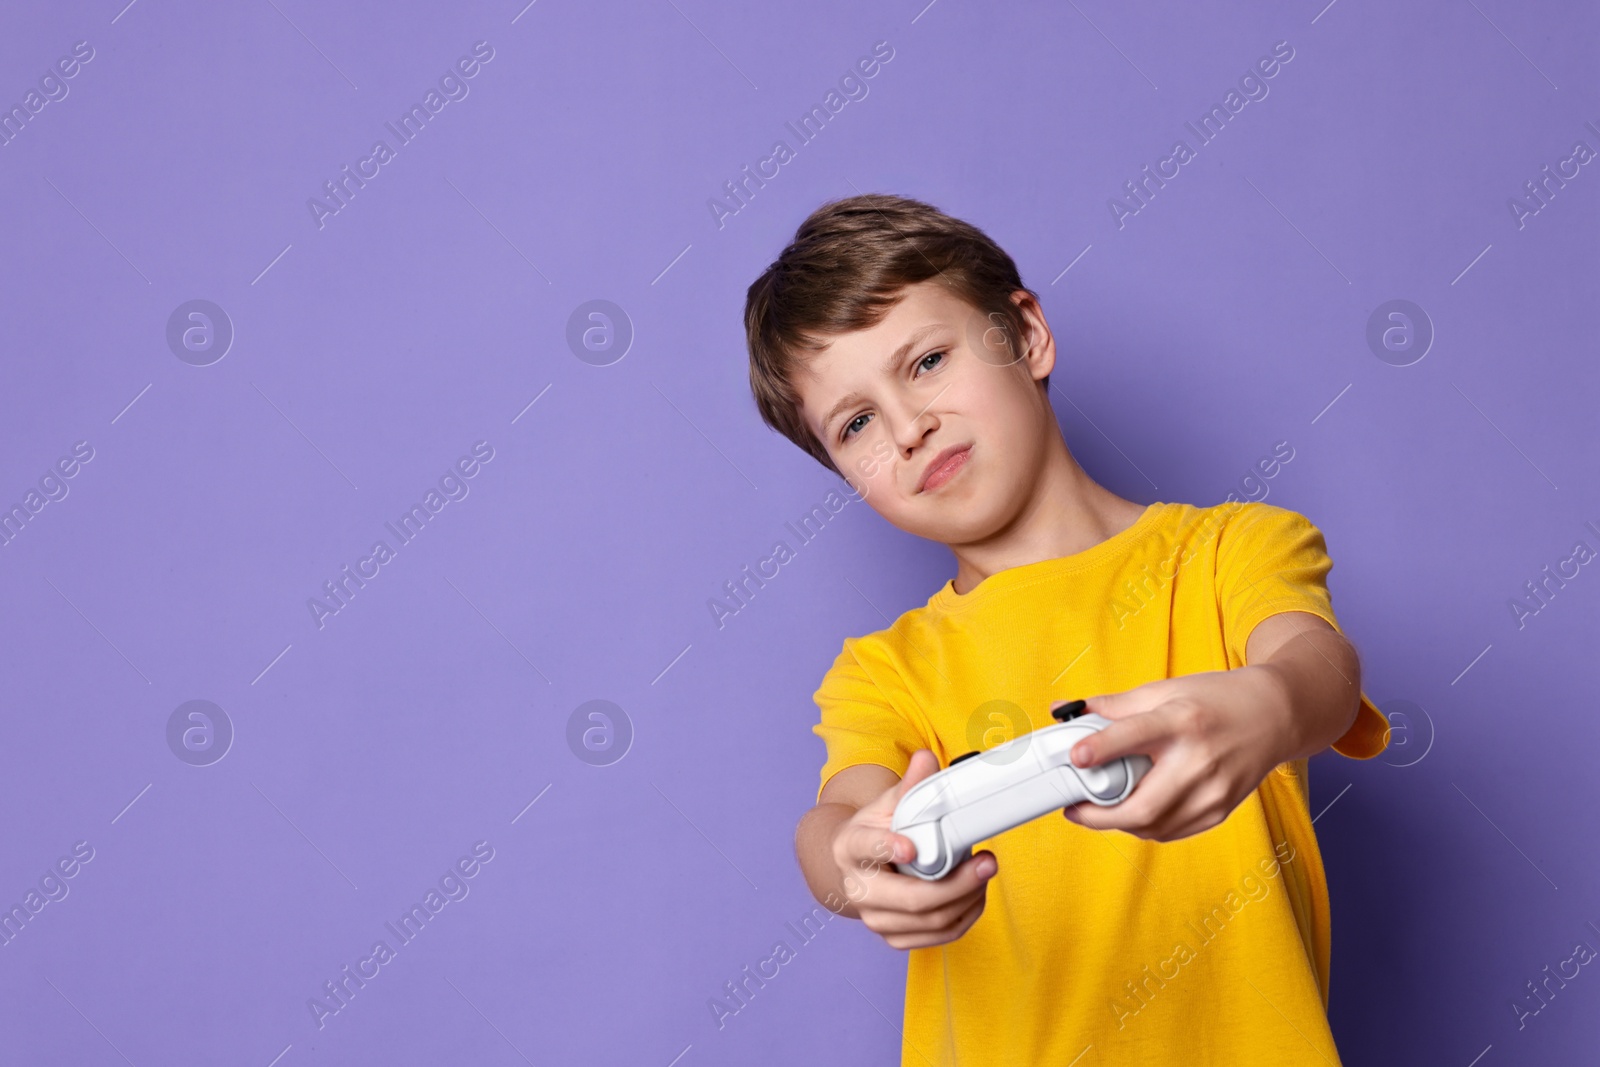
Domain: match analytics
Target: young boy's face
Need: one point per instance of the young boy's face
(891, 402)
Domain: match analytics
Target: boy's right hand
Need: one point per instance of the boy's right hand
(905, 911)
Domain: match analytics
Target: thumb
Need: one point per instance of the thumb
(923, 763)
(868, 834)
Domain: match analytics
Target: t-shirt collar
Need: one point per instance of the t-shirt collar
(946, 599)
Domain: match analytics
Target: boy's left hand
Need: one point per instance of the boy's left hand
(1212, 737)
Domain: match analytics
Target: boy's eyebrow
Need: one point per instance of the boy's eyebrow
(888, 366)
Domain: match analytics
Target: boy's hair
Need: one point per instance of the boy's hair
(844, 270)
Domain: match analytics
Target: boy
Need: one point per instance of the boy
(899, 348)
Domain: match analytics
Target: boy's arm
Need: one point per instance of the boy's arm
(846, 793)
(1321, 675)
(845, 844)
(1215, 735)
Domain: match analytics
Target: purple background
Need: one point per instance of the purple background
(1230, 313)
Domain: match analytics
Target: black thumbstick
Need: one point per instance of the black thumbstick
(958, 759)
(1069, 711)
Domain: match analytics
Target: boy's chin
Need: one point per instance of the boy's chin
(947, 526)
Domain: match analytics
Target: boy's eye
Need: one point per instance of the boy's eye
(929, 356)
(851, 426)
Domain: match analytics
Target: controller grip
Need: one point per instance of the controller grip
(945, 843)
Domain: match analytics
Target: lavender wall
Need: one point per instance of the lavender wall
(234, 855)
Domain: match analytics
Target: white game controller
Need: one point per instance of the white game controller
(984, 793)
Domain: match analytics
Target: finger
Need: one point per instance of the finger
(1206, 821)
(888, 921)
(923, 763)
(940, 937)
(868, 837)
(1155, 797)
(891, 891)
(864, 845)
(1159, 829)
(1147, 732)
(971, 916)
(1171, 828)
(1199, 811)
(1140, 698)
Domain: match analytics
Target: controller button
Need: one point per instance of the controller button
(958, 759)
(1069, 711)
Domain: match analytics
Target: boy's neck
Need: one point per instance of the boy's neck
(1067, 513)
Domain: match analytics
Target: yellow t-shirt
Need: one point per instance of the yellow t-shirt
(1097, 946)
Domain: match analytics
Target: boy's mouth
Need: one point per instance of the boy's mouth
(943, 467)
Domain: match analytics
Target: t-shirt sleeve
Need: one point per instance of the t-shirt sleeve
(859, 724)
(1270, 560)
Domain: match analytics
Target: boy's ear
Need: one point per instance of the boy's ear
(1041, 344)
